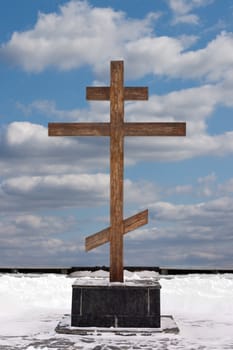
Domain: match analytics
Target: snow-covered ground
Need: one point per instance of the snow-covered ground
(32, 305)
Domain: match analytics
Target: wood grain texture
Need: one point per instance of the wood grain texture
(79, 129)
(96, 93)
(154, 129)
(135, 93)
(129, 129)
(136, 221)
(116, 171)
(97, 239)
(103, 236)
(102, 93)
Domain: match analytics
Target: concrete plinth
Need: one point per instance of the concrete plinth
(116, 305)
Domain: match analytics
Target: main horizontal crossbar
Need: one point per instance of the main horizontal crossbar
(155, 129)
(130, 224)
(79, 129)
(129, 129)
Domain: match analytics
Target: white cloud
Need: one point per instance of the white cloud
(166, 56)
(37, 240)
(177, 148)
(49, 109)
(193, 105)
(53, 191)
(209, 179)
(79, 34)
(82, 35)
(186, 234)
(26, 225)
(214, 215)
(191, 19)
(181, 189)
(204, 187)
(198, 233)
(227, 187)
(140, 192)
(27, 149)
(39, 251)
(182, 9)
(24, 193)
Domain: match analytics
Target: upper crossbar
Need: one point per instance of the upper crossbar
(102, 93)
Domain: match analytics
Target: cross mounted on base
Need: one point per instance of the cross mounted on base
(117, 129)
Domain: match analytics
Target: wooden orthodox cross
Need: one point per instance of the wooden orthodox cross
(116, 130)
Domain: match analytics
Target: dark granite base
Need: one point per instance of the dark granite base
(168, 325)
(116, 305)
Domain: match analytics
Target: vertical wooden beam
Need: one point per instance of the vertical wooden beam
(116, 171)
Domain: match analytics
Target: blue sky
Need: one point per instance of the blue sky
(55, 191)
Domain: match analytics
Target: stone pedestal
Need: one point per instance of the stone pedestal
(116, 305)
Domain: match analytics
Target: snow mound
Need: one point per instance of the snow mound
(32, 305)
